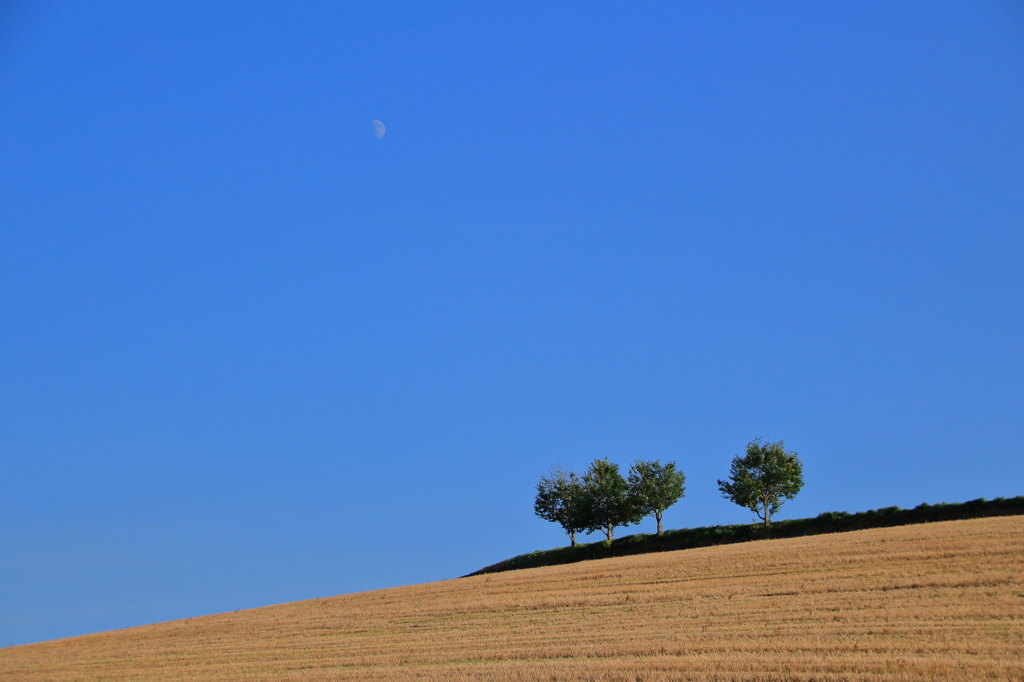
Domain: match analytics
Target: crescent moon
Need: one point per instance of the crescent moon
(378, 128)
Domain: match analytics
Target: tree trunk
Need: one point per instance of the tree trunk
(572, 537)
(610, 532)
(767, 515)
(657, 515)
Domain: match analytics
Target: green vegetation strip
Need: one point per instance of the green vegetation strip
(829, 522)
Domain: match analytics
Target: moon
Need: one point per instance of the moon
(378, 128)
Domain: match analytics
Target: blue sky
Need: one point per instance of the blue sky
(251, 354)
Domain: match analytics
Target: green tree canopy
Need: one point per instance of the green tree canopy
(561, 499)
(655, 487)
(609, 503)
(763, 478)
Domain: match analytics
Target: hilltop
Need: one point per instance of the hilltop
(920, 602)
(828, 522)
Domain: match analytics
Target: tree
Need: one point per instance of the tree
(763, 478)
(609, 503)
(561, 499)
(654, 488)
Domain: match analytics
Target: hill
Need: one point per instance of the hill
(921, 602)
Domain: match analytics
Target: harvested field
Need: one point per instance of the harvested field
(941, 601)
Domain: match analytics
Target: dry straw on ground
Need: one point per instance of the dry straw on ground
(941, 601)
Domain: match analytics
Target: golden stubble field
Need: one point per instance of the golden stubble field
(941, 601)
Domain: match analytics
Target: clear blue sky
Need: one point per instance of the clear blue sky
(249, 353)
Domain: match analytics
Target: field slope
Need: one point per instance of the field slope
(939, 601)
